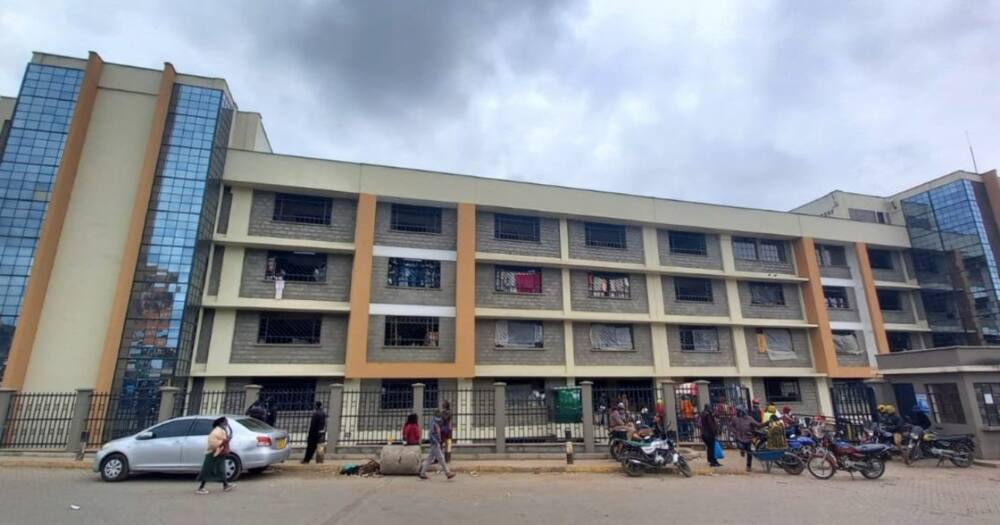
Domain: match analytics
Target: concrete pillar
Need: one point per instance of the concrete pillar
(6, 397)
(418, 399)
(669, 405)
(167, 396)
(335, 411)
(823, 393)
(884, 394)
(252, 394)
(75, 438)
(587, 398)
(500, 416)
(703, 396)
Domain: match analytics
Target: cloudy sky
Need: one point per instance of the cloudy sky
(765, 104)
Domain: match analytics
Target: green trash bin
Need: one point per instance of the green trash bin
(568, 404)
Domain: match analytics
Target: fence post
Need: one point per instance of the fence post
(500, 416)
(336, 410)
(167, 396)
(418, 399)
(6, 396)
(75, 438)
(703, 397)
(670, 406)
(250, 396)
(587, 398)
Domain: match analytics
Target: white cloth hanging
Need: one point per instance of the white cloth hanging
(279, 287)
(779, 345)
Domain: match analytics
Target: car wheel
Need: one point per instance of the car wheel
(114, 468)
(233, 468)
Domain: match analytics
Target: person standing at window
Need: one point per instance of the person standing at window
(214, 466)
(317, 432)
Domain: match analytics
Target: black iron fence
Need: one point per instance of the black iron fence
(633, 398)
(292, 410)
(536, 417)
(472, 414)
(38, 420)
(114, 416)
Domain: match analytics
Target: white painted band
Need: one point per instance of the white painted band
(834, 281)
(846, 325)
(413, 253)
(417, 310)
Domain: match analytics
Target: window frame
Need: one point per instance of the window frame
(688, 340)
(680, 236)
(826, 252)
(393, 264)
(272, 270)
(392, 339)
(899, 300)
(780, 382)
(179, 423)
(844, 333)
(780, 251)
(589, 228)
(281, 199)
(946, 406)
(831, 303)
(891, 335)
(536, 226)
(694, 298)
(891, 265)
(609, 276)
(990, 417)
(742, 246)
(432, 213)
(498, 269)
(264, 325)
(754, 298)
(536, 345)
(631, 331)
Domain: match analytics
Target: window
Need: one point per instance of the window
(414, 273)
(518, 334)
(611, 336)
(898, 341)
(776, 343)
(946, 403)
(693, 289)
(699, 339)
(516, 228)
(889, 300)
(306, 209)
(745, 248)
(925, 262)
(988, 399)
(514, 279)
(415, 219)
(836, 298)
(411, 331)
(772, 251)
(309, 267)
(828, 255)
(397, 394)
(882, 217)
(688, 243)
(782, 390)
(201, 427)
(526, 393)
(767, 294)
(605, 235)
(608, 285)
(846, 342)
(281, 328)
(880, 259)
(171, 429)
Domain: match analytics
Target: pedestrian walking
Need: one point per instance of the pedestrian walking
(213, 468)
(744, 427)
(317, 432)
(435, 453)
(709, 432)
(411, 430)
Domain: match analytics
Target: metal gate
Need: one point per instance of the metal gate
(725, 400)
(853, 408)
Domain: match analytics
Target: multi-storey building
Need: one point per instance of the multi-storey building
(150, 237)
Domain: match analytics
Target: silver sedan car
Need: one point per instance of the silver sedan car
(178, 445)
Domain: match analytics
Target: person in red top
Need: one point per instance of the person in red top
(411, 431)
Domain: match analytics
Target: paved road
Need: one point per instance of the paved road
(911, 496)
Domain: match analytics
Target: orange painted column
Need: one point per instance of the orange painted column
(874, 311)
(361, 288)
(55, 218)
(130, 255)
(824, 354)
(465, 292)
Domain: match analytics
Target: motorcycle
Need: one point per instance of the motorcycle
(920, 443)
(637, 431)
(638, 457)
(802, 446)
(834, 455)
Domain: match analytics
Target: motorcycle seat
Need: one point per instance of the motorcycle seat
(959, 437)
(870, 448)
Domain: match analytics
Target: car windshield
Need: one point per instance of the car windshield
(255, 425)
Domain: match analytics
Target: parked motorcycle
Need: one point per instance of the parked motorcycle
(834, 455)
(802, 446)
(920, 443)
(637, 431)
(638, 457)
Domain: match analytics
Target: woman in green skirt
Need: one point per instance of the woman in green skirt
(214, 466)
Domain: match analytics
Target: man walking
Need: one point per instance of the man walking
(435, 453)
(317, 432)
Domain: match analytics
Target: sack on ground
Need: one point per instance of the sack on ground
(400, 460)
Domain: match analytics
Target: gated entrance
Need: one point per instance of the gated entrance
(853, 408)
(724, 399)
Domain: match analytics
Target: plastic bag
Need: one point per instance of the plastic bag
(718, 451)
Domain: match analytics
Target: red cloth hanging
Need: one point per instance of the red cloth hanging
(528, 282)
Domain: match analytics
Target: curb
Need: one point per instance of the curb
(987, 464)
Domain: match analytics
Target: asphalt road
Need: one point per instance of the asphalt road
(911, 496)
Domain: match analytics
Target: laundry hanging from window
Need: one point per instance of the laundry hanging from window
(846, 342)
(518, 334)
(611, 337)
(519, 280)
(777, 343)
(609, 285)
(279, 286)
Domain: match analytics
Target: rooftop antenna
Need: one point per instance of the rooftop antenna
(971, 151)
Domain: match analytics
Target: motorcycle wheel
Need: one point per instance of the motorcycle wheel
(616, 450)
(820, 468)
(633, 470)
(792, 464)
(910, 456)
(963, 461)
(683, 467)
(874, 469)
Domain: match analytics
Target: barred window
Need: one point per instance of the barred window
(836, 298)
(693, 289)
(745, 248)
(946, 403)
(411, 331)
(518, 334)
(609, 285)
(611, 337)
(699, 339)
(285, 328)
(829, 255)
(296, 266)
(307, 209)
(988, 399)
(516, 279)
(782, 390)
(880, 259)
(417, 219)
(772, 251)
(767, 294)
(688, 243)
(889, 300)
(605, 235)
(516, 227)
(414, 273)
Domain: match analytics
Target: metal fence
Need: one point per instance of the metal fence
(370, 417)
(533, 418)
(633, 398)
(292, 410)
(114, 416)
(38, 420)
(472, 414)
(214, 402)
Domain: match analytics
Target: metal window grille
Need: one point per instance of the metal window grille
(772, 251)
(417, 219)
(880, 259)
(519, 334)
(768, 294)
(745, 248)
(414, 273)
(605, 235)
(609, 285)
(411, 331)
(288, 329)
(306, 209)
(836, 298)
(946, 403)
(988, 399)
(516, 228)
(688, 243)
(693, 289)
(515, 279)
(699, 339)
(296, 266)
(38, 420)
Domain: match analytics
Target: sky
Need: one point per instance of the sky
(764, 104)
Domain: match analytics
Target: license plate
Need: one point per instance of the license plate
(281, 443)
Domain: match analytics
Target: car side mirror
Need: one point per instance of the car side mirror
(145, 435)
